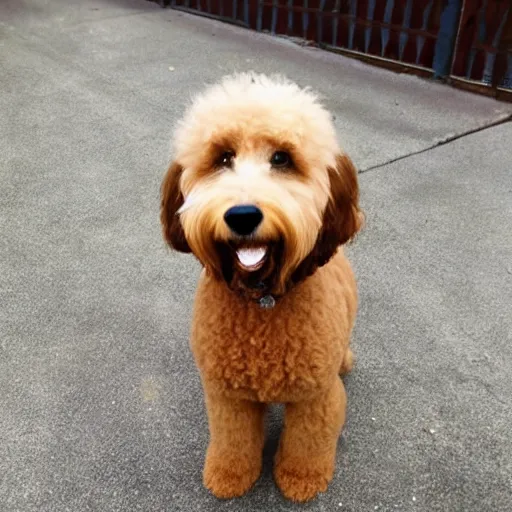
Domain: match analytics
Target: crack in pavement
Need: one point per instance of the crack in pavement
(506, 119)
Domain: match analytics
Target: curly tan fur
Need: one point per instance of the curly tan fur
(293, 353)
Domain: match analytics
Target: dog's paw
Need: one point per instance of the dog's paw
(301, 483)
(226, 480)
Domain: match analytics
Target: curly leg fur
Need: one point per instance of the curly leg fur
(234, 455)
(306, 455)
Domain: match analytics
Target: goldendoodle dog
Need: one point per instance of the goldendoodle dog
(261, 193)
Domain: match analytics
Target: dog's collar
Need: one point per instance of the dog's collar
(264, 298)
(267, 302)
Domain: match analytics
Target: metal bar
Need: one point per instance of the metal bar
(303, 8)
(305, 18)
(500, 93)
(363, 22)
(420, 40)
(368, 30)
(235, 9)
(445, 43)
(320, 21)
(246, 12)
(274, 16)
(290, 16)
(479, 37)
(490, 57)
(358, 21)
(489, 48)
(351, 18)
(502, 70)
(259, 20)
(384, 32)
(404, 36)
(336, 13)
(352, 24)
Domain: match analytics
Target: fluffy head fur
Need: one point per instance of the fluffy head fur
(222, 158)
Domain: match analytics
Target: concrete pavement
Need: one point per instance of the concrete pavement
(100, 404)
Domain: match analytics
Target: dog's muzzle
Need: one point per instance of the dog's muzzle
(243, 220)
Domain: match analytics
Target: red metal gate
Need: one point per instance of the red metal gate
(467, 43)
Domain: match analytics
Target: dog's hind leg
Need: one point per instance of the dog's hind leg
(234, 455)
(307, 450)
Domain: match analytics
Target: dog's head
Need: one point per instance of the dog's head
(259, 190)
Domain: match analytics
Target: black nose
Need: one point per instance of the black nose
(243, 219)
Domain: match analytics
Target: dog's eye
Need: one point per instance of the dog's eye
(225, 159)
(280, 159)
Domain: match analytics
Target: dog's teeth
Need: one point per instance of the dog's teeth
(251, 256)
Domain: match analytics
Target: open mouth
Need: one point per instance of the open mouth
(251, 259)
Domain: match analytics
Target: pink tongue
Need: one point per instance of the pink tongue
(251, 257)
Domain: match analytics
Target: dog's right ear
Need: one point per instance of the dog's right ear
(342, 217)
(172, 200)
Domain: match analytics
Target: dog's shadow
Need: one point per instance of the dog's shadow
(274, 422)
(273, 427)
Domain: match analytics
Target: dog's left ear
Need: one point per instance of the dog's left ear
(172, 200)
(342, 217)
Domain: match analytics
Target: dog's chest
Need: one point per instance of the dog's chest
(279, 360)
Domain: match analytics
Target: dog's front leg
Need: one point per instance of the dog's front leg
(234, 455)
(307, 449)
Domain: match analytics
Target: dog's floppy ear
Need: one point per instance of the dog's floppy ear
(172, 200)
(342, 217)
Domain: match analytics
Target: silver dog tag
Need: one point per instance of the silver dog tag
(267, 302)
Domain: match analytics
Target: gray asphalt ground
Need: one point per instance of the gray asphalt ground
(100, 403)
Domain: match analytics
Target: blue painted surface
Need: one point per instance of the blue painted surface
(368, 30)
(305, 20)
(246, 11)
(490, 58)
(404, 36)
(320, 21)
(352, 23)
(274, 16)
(384, 32)
(290, 16)
(446, 38)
